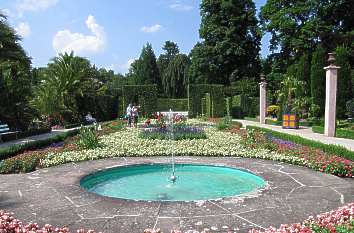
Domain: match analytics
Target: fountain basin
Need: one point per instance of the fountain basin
(150, 182)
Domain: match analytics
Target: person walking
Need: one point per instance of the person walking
(135, 115)
(129, 114)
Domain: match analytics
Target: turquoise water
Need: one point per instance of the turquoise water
(150, 182)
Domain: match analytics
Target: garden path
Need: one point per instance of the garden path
(34, 138)
(305, 133)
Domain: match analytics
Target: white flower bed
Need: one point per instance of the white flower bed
(126, 143)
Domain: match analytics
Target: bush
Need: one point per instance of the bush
(331, 149)
(88, 138)
(224, 123)
(24, 163)
(174, 104)
(180, 132)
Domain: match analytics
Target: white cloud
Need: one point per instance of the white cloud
(33, 5)
(151, 29)
(124, 68)
(181, 7)
(66, 41)
(6, 12)
(23, 29)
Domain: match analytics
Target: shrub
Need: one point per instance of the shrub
(224, 123)
(331, 149)
(176, 133)
(88, 138)
(24, 163)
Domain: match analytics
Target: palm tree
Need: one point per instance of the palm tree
(63, 82)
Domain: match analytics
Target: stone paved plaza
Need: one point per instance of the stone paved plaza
(54, 196)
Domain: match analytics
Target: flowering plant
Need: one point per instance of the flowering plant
(9, 224)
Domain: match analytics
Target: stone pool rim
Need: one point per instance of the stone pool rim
(252, 194)
(53, 195)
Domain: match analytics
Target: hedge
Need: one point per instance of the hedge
(174, 104)
(217, 101)
(340, 133)
(144, 95)
(331, 149)
(8, 152)
(242, 105)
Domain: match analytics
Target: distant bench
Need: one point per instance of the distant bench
(5, 130)
(185, 114)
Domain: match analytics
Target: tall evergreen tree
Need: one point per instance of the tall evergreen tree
(344, 85)
(318, 79)
(231, 42)
(145, 68)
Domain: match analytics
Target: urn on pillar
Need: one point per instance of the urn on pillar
(262, 99)
(331, 96)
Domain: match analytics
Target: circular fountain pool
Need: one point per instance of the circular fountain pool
(151, 182)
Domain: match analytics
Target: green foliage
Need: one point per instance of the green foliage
(15, 90)
(331, 149)
(230, 46)
(289, 92)
(23, 164)
(216, 95)
(180, 132)
(175, 79)
(88, 138)
(344, 91)
(8, 152)
(318, 80)
(144, 95)
(70, 88)
(174, 104)
(350, 108)
(145, 70)
(226, 123)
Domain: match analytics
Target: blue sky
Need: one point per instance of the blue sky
(110, 33)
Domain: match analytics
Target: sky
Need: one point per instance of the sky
(110, 33)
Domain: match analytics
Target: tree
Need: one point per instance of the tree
(15, 79)
(231, 39)
(298, 26)
(170, 51)
(10, 48)
(63, 85)
(318, 79)
(145, 69)
(175, 79)
(344, 86)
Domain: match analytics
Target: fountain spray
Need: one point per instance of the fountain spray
(173, 177)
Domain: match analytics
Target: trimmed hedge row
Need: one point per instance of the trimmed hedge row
(174, 104)
(13, 150)
(242, 105)
(340, 133)
(331, 149)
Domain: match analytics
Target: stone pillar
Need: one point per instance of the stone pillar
(262, 100)
(331, 96)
